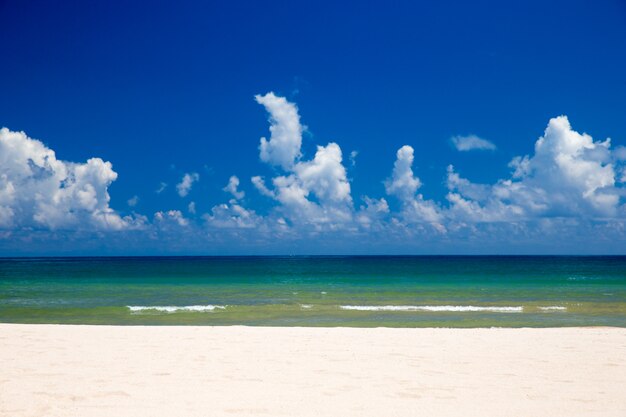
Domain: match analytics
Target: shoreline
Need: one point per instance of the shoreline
(102, 370)
(264, 326)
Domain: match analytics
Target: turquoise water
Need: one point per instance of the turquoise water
(444, 291)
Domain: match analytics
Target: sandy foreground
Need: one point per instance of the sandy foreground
(54, 370)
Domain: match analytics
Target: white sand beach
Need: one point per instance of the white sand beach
(59, 370)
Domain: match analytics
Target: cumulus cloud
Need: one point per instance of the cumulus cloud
(570, 187)
(38, 190)
(283, 147)
(403, 184)
(185, 184)
(471, 142)
(232, 216)
(372, 212)
(325, 175)
(315, 192)
(569, 175)
(231, 187)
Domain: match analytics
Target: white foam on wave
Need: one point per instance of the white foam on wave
(506, 309)
(173, 309)
(306, 306)
(553, 308)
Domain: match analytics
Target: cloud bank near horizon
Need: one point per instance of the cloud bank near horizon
(570, 186)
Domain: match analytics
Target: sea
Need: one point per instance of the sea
(354, 291)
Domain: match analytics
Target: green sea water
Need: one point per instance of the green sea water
(428, 291)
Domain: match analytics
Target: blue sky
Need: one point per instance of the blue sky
(165, 89)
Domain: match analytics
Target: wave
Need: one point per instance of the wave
(507, 309)
(553, 308)
(406, 308)
(174, 309)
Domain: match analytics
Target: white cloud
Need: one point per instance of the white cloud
(132, 202)
(471, 142)
(186, 183)
(315, 192)
(283, 147)
(569, 188)
(169, 218)
(374, 211)
(232, 216)
(231, 187)
(420, 210)
(325, 175)
(569, 175)
(259, 183)
(323, 178)
(38, 190)
(403, 184)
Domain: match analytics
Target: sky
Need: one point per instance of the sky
(235, 128)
